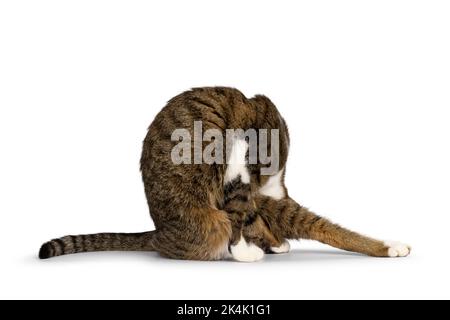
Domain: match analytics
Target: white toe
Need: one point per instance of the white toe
(284, 248)
(397, 249)
(246, 252)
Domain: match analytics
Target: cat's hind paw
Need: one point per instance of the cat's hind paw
(397, 249)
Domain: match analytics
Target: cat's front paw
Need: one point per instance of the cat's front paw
(284, 248)
(246, 252)
(397, 249)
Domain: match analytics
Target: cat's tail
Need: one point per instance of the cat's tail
(144, 241)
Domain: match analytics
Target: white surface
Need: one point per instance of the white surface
(363, 85)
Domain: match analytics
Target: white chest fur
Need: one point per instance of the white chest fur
(237, 166)
(274, 187)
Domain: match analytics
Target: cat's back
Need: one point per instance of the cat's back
(171, 185)
(215, 108)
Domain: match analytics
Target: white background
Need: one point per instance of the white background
(364, 86)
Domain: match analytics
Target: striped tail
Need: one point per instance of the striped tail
(98, 242)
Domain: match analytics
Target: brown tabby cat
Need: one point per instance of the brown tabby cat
(214, 211)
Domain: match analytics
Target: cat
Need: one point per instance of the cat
(218, 211)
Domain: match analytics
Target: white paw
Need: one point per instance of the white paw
(397, 249)
(246, 252)
(284, 248)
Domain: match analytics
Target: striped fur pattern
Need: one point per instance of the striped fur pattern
(98, 242)
(202, 213)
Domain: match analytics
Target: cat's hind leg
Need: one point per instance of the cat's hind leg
(200, 234)
(290, 220)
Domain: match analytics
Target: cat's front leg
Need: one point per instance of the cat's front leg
(238, 204)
